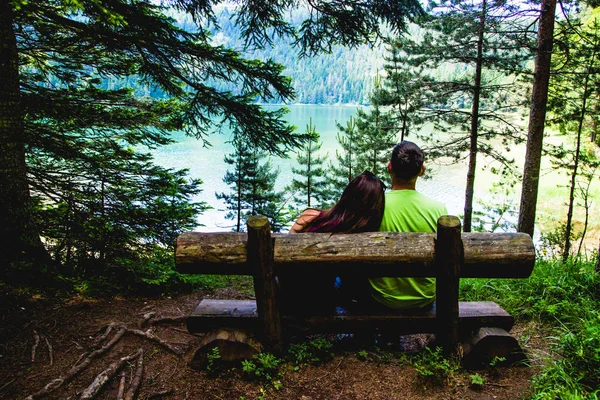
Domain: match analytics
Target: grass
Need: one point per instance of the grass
(565, 300)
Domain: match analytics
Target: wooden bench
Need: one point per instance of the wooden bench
(481, 327)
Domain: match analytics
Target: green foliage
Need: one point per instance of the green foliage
(574, 109)
(499, 214)
(313, 351)
(264, 367)
(252, 183)
(150, 274)
(345, 168)
(407, 89)
(82, 136)
(576, 373)
(553, 242)
(375, 136)
(310, 190)
(496, 361)
(212, 358)
(472, 53)
(363, 354)
(434, 366)
(564, 296)
(477, 380)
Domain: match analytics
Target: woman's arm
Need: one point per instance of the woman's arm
(307, 215)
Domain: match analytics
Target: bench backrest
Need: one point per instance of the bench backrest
(486, 255)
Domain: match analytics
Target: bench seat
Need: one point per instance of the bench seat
(214, 314)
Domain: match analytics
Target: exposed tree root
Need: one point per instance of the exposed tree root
(50, 353)
(36, 343)
(146, 318)
(137, 378)
(121, 391)
(86, 359)
(91, 391)
(150, 336)
(147, 308)
(77, 368)
(98, 341)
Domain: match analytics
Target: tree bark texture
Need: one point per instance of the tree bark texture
(575, 170)
(470, 188)
(537, 118)
(487, 255)
(21, 241)
(260, 260)
(449, 257)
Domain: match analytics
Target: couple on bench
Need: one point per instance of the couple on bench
(363, 207)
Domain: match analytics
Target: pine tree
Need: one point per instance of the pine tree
(537, 117)
(407, 89)
(345, 169)
(573, 91)
(375, 135)
(252, 184)
(484, 42)
(311, 189)
(52, 51)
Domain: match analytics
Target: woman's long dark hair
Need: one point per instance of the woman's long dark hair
(359, 209)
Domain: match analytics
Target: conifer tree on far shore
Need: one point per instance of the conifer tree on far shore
(343, 170)
(252, 182)
(310, 189)
(375, 134)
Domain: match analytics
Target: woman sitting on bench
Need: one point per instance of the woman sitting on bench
(359, 209)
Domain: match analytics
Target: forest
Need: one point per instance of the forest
(89, 88)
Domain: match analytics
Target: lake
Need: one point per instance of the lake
(447, 183)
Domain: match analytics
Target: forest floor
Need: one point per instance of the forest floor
(43, 339)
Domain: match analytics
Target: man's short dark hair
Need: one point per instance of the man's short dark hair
(407, 160)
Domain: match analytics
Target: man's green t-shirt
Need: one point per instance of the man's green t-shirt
(407, 211)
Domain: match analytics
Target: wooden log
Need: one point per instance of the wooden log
(241, 314)
(260, 258)
(491, 345)
(487, 255)
(233, 345)
(449, 257)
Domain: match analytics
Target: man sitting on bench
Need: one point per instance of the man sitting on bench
(406, 210)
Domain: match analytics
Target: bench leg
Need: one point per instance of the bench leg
(490, 345)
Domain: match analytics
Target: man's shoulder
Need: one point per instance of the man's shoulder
(426, 200)
(414, 197)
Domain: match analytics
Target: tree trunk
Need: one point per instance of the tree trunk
(21, 242)
(597, 267)
(537, 117)
(308, 172)
(474, 125)
(594, 131)
(568, 228)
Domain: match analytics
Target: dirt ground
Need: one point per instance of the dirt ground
(64, 334)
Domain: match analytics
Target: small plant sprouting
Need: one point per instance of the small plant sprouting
(264, 367)
(212, 358)
(497, 360)
(313, 351)
(433, 365)
(477, 380)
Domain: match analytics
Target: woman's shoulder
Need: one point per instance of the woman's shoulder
(307, 215)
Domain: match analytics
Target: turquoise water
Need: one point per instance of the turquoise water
(446, 183)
